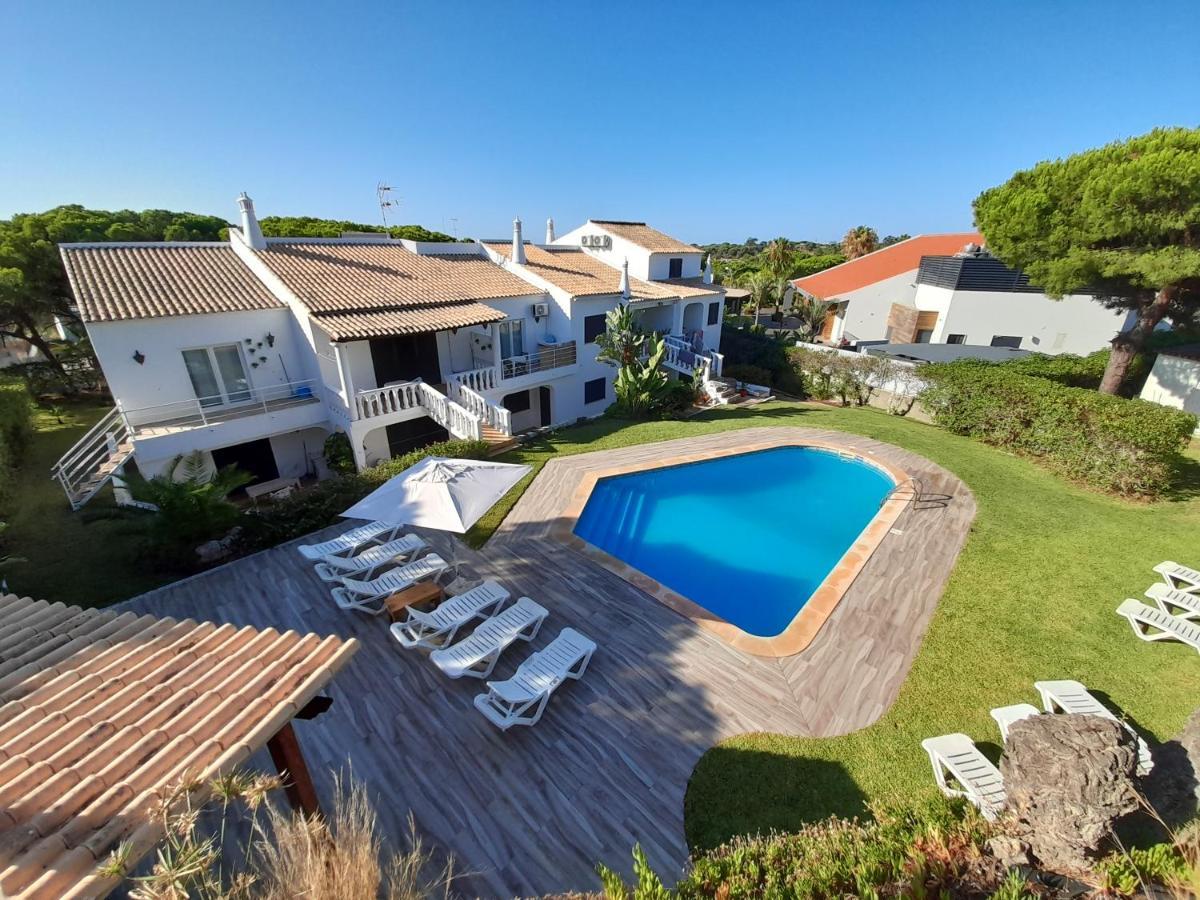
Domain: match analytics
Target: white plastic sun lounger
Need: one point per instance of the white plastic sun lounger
(475, 656)
(1180, 604)
(522, 699)
(1181, 578)
(1072, 697)
(1005, 716)
(368, 596)
(363, 565)
(962, 771)
(352, 540)
(430, 630)
(1151, 624)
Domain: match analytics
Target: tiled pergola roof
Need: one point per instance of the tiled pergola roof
(102, 714)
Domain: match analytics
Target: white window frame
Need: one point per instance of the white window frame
(225, 392)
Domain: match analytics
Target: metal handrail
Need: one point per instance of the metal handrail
(224, 406)
(539, 361)
(106, 421)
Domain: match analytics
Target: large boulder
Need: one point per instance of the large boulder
(1068, 779)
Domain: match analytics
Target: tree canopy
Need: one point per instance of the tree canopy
(1121, 222)
(308, 226)
(859, 241)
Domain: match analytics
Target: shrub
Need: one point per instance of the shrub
(16, 428)
(339, 455)
(193, 502)
(319, 506)
(1127, 447)
(752, 348)
(927, 850)
(678, 398)
(748, 373)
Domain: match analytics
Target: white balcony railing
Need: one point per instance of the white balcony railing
(459, 421)
(478, 380)
(493, 414)
(543, 359)
(197, 412)
(381, 401)
(683, 357)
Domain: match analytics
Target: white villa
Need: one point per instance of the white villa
(947, 289)
(254, 350)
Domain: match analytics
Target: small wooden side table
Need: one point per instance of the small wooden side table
(422, 592)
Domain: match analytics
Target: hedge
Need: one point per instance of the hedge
(16, 429)
(1126, 447)
(320, 505)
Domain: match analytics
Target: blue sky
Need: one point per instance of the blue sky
(711, 121)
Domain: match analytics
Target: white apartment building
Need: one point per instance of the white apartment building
(254, 350)
(947, 289)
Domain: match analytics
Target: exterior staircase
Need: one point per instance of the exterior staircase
(95, 459)
(498, 441)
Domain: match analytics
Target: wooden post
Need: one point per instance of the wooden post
(289, 763)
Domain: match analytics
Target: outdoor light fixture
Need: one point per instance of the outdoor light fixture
(270, 339)
(139, 357)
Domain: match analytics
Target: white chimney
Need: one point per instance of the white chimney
(708, 272)
(625, 278)
(549, 231)
(518, 248)
(250, 231)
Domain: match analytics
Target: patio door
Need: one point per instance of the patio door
(218, 375)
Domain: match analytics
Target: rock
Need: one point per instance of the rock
(1173, 787)
(214, 551)
(1009, 851)
(1068, 779)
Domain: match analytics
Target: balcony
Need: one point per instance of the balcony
(682, 356)
(543, 359)
(164, 419)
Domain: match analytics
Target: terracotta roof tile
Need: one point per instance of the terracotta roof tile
(112, 282)
(102, 715)
(889, 262)
(582, 275)
(642, 235)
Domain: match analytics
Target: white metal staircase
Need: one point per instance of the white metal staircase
(95, 458)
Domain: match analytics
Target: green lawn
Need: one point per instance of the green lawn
(75, 557)
(1031, 598)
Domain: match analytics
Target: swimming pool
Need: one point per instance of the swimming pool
(749, 537)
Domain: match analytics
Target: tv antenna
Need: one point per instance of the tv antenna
(384, 193)
(454, 226)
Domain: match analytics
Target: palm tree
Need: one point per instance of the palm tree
(810, 313)
(762, 288)
(859, 241)
(778, 257)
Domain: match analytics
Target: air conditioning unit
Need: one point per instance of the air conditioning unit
(596, 241)
(541, 310)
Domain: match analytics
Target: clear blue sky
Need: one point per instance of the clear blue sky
(711, 121)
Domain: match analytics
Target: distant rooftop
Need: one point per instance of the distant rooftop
(642, 235)
(945, 352)
(893, 260)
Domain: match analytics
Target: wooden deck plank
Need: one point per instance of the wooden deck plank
(532, 811)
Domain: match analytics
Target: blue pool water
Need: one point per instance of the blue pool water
(748, 537)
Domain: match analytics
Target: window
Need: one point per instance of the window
(714, 312)
(1006, 340)
(593, 390)
(217, 374)
(593, 327)
(924, 336)
(956, 339)
(675, 267)
(518, 402)
(512, 338)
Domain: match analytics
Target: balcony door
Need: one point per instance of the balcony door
(406, 357)
(218, 375)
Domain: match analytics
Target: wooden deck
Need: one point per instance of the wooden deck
(532, 811)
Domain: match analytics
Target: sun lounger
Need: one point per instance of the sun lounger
(475, 656)
(1151, 624)
(363, 565)
(1181, 578)
(1180, 604)
(522, 699)
(369, 596)
(962, 771)
(1073, 697)
(719, 393)
(1005, 716)
(430, 630)
(351, 541)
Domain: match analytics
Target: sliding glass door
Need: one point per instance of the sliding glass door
(218, 375)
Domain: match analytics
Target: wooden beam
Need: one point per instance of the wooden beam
(289, 763)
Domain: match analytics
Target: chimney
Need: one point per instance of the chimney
(549, 231)
(625, 278)
(251, 233)
(708, 272)
(518, 248)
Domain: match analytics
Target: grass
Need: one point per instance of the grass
(74, 557)
(1032, 597)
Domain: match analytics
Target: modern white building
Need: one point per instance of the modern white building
(947, 289)
(254, 350)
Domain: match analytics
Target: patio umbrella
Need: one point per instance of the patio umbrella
(446, 494)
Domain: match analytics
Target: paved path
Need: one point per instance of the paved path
(533, 811)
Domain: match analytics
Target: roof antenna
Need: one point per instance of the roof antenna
(384, 193)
